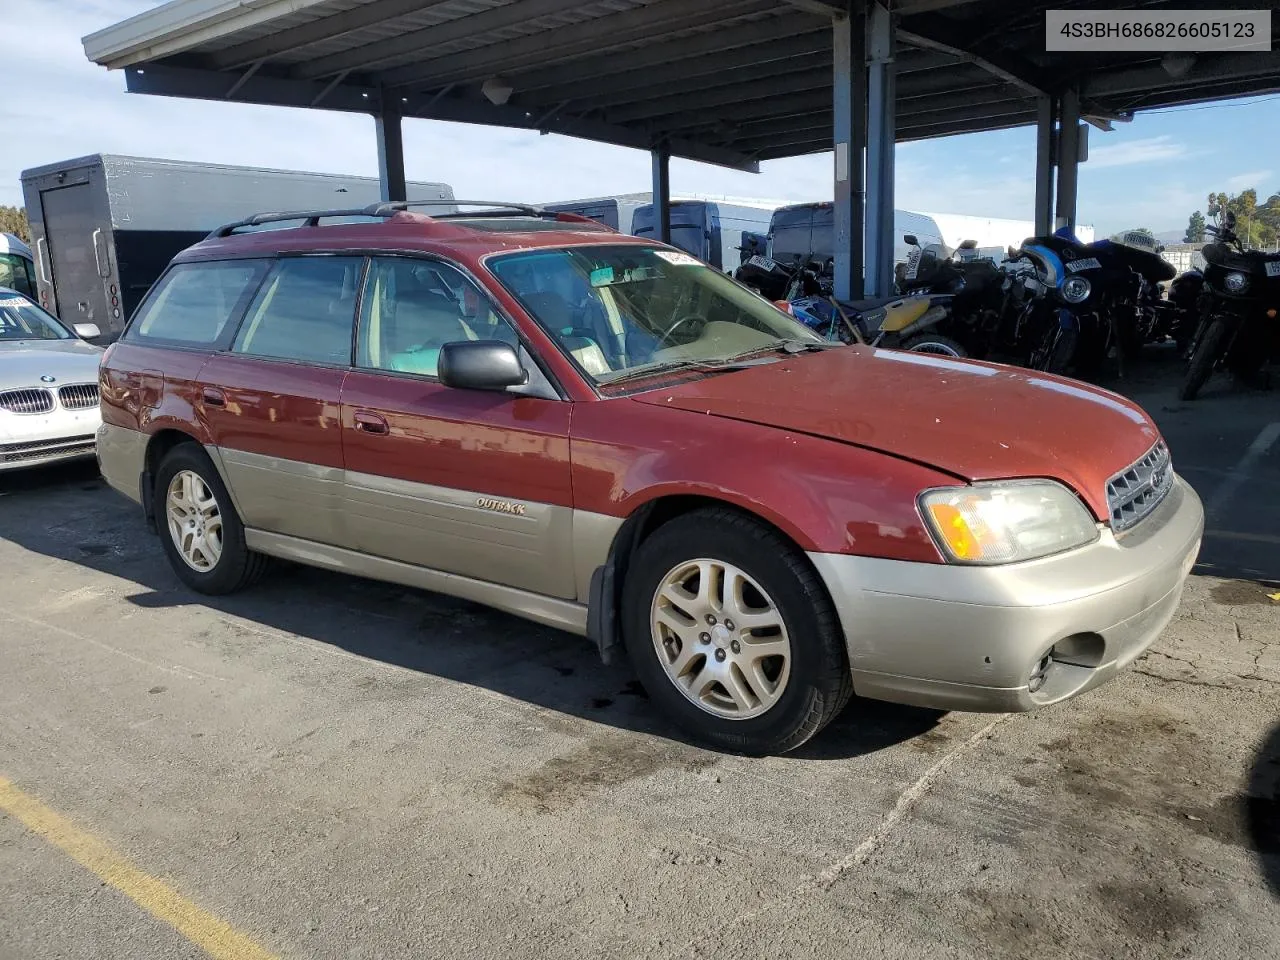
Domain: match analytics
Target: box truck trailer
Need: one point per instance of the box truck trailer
(104, 227)
(711, 230)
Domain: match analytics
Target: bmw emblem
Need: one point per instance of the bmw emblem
(47, 379)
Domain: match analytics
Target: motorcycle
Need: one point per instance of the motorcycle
(974, 284)
(1182, 303)
(900, 323)
(1239, 305)
(1134, 271)
(767, 277)
(1053, 303)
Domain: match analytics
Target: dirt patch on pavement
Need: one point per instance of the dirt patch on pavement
(600, 764)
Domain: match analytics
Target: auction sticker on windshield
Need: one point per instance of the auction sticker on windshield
(680, 259)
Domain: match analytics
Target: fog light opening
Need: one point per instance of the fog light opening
(1039, 674)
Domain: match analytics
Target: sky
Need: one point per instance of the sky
(1151, 172)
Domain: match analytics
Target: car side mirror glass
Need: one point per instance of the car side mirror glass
(87, 331)
(910, 240)
(480, 365)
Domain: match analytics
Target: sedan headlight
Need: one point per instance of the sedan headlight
(1235, 282)
(1007, 521)
(1076, 289)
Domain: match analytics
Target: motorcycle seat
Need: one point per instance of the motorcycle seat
(871, 303)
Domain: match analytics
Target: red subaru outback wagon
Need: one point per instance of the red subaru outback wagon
(606, 435)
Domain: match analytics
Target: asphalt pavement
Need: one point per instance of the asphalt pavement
(332, 768)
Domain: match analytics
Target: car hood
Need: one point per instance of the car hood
(976, 421)
(24, 362)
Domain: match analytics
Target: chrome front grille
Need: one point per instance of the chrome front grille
(38, 449)
(1133, 493)
(78, 396)
(27, 400)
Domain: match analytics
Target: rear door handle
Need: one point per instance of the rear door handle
(213, 397)
(371, 423)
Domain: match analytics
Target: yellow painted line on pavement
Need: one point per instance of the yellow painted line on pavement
(215, 936)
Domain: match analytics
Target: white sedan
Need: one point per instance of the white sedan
(48, 386)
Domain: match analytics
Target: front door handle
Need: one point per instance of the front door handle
(213, 397)
(371, 423)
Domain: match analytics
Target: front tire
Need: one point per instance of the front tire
(199, 527)
(732, 633)
(936, 344)
(1203, 360)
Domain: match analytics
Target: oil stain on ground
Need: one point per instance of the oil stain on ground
(600, 764)
(1235, 593)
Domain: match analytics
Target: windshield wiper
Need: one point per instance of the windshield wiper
(695, 366)
(804, 346)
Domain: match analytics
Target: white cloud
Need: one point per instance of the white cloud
(1243, 181)
(1129, 153)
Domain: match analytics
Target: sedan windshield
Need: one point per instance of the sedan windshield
(20, 319)
(619, 310)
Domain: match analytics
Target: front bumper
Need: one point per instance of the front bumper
(958, 637)
(33, 441)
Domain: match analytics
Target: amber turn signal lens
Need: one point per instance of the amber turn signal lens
(1271, 313)
(951, 524)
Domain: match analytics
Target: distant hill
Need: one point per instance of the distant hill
(1170, 236)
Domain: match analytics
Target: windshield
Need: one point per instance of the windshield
(623, 309)
(20, 319)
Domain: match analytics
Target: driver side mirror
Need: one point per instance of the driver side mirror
(480, 365)
(910, 240)
(87, 331)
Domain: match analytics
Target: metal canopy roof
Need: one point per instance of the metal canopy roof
(725, 81)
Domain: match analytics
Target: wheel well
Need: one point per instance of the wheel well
(158, 447)
(162, 441)
(603, 622)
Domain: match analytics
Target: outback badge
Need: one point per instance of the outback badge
(500, 506)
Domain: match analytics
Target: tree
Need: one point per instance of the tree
(14, 220)
(1195, 229)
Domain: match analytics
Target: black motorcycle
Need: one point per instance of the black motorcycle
(975, 286)
(1182, 301)
(1056, 308)
(778, 281)
(1239, 306)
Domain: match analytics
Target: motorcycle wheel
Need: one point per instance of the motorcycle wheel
(935, 343)
(1061, 352)
(1203, 360)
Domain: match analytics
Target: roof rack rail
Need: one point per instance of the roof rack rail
(388, 208)
(499, 208)
(311, 218)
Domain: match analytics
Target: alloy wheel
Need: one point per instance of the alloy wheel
(720, 639)
(195, 521)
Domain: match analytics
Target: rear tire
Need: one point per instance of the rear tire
(1203, 360)
(682, 579)
(200, 530)
(935, 343)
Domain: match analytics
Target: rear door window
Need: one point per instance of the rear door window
(305, 310)
(193, 303)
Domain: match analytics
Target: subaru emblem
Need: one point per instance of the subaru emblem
(47, 379)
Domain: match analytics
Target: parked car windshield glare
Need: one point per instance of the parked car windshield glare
(618, 309)
(20, 319)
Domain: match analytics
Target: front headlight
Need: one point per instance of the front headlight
(1076, 289)
(1235, 282)
(1006, 521)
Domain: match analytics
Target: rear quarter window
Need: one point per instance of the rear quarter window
(193, 304)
